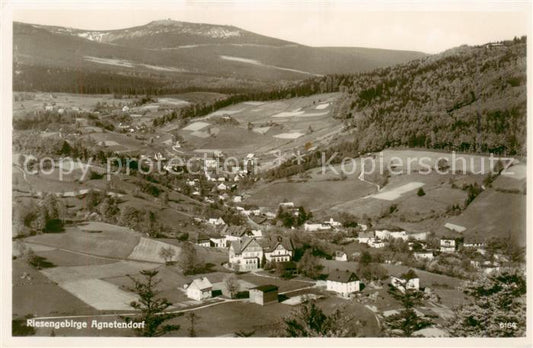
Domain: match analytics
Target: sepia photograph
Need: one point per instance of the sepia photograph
(245, 171)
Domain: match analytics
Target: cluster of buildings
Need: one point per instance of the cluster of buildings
(379, 238)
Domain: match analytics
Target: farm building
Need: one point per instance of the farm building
(264, 294)
(199, 289)
(245, 254)
(343, 282)
(406, 281)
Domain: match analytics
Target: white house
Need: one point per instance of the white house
(406, 281)
(423, 255)
(315, 227)
(125, 108)
(237, 199)
(341, 256)
(199, 289)
(222, 187)
(448, 245)
(245, 254)
(343, 282)
(386, 234)
(216, 222)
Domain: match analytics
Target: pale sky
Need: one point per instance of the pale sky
(429, 26)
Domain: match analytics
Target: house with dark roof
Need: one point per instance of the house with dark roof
(264, 294)
(343, 282)
(234, 233)
(245, 254)
(278, 249)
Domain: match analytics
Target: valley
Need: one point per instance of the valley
(253, 177)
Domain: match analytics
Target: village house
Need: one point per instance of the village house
(287, 205)
(423, 255)
(315, 227)
(199, 289)
(222, 187)
(258, 234)
(406, 281)
(376, 243)
(245, 255)
(420, 236)
(343, 282)
(278, 249)
(364, 237)
(386, 234)
(218, 242)
(237, 199)
(340, 256)
(234, 233)
(216, 222)
(203, 241)
(264, 294)
(474, 242)
(448, 245)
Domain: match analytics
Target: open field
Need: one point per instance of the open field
(69, 258)
(100, 294)
(39, 296)
(495, 214)
(35, 101)
(313, 194)
(397, 192)
(97, 239)
(279, 125)
(148, 250)
(74, 273)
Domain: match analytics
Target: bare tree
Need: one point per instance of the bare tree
(232, 284)
(167, 254)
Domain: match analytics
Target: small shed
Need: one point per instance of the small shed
(264, 294)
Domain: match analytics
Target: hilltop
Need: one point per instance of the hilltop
(171, 54)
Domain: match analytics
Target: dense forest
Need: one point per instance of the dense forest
(470, 99)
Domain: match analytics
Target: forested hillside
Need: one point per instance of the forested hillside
(470, 99)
